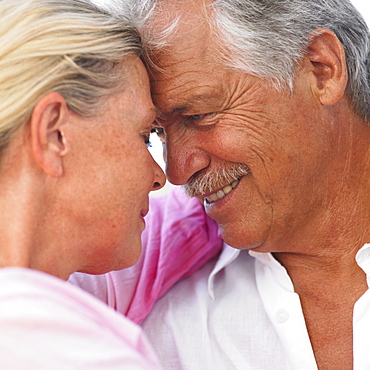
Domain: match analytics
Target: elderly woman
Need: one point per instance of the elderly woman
(75, 173)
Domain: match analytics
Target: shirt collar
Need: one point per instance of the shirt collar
(229, 254)
(363, 260)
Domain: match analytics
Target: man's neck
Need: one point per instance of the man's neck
(328, 290)
(323, 276)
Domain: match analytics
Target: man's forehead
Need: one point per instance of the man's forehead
(190, 39)
(180, 20)
(190, 50)
(185, 7)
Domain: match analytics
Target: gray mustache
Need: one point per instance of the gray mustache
(208, 182)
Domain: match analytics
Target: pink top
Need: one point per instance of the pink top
(48, 324)
(178, 240)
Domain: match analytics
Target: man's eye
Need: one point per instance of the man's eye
(196, 117)
(201, 120)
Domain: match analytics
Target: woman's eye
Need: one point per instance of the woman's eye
(147, 141)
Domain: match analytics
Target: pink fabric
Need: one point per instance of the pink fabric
(48, 324)
(178, 240)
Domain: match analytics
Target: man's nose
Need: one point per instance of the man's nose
(183, 158)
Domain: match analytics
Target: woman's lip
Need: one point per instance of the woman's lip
(144, 212)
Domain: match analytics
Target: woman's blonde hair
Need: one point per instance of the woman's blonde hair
(67, 46)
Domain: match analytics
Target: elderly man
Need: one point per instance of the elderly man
(265, 114)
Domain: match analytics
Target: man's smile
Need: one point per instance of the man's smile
(219, 194)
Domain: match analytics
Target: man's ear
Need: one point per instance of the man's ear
(328, 63)
(47, 123)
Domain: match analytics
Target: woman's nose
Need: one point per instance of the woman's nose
(159, 177)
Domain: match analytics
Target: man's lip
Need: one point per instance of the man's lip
(211, 192)
(215, 191)
(208, 194)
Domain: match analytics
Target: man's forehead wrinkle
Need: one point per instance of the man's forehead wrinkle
(181, 62)
(180, 80)
(184, 87)
(182, 50)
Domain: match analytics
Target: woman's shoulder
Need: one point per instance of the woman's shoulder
(38, 291)
(41, 314)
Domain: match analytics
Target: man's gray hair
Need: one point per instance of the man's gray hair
(267, 38)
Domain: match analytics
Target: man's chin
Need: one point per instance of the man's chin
(242, 242)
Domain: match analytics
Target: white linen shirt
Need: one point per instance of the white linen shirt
(241, 312)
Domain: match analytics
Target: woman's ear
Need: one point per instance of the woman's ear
(48, 120)
(328, 63)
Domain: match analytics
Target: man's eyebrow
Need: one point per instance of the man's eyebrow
(190, 102)
(163, 115)
(181, 108)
